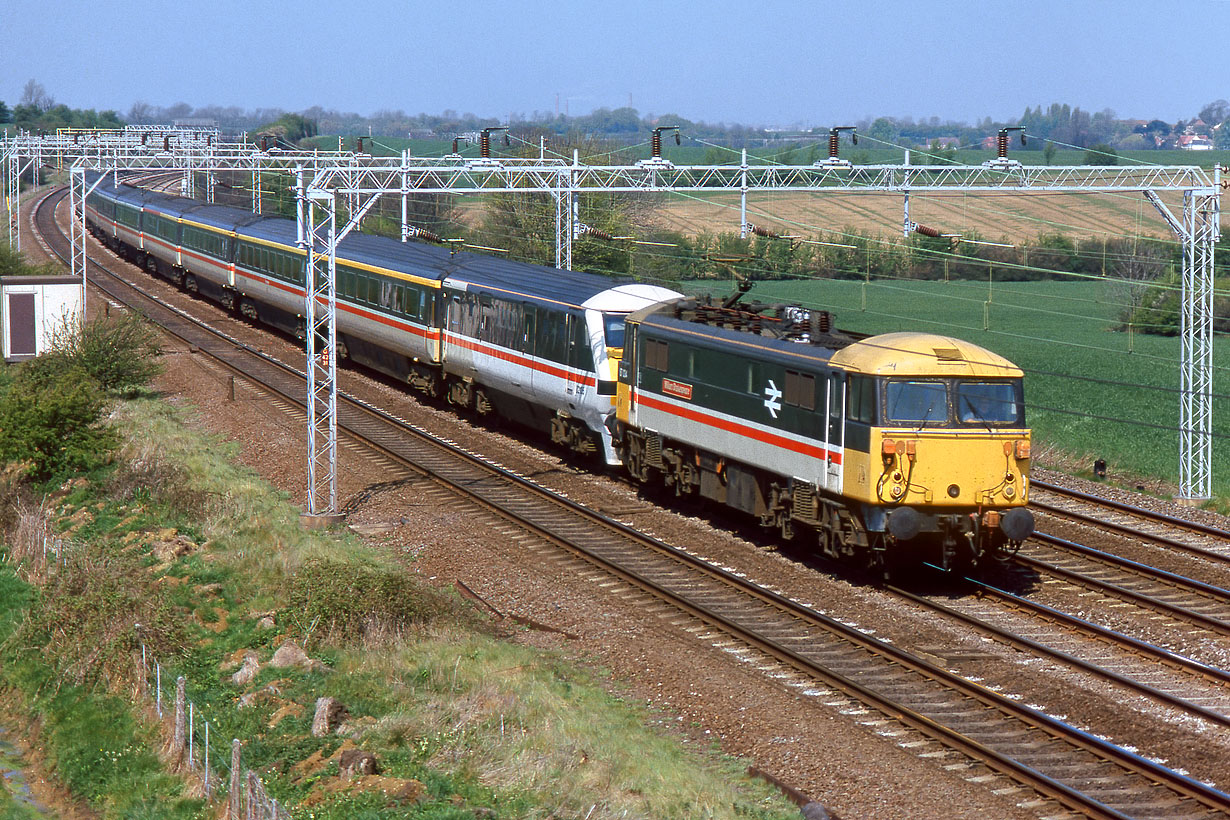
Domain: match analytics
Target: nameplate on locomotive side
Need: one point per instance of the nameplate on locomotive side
(677, 389)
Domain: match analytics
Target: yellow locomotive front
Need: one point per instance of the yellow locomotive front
(937, 452)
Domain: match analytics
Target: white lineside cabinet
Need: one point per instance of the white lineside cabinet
(32, 309)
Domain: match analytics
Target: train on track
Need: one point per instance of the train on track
(890, 450)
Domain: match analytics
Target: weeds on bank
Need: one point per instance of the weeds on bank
(198, 551)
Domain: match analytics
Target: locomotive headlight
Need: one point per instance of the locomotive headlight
(953, 491)
(897, 491)
(1009, 491)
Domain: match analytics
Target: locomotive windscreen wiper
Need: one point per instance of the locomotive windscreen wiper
(974, 415)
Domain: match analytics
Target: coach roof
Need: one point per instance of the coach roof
(533, 282)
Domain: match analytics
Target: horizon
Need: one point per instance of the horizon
(788, 65)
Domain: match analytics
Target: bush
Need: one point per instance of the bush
(1100, 154)
(121, 354)
(84, 622)
(350, 600)
(50, 417)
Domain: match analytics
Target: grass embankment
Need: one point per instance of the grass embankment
(1091, 390)
(176, 538)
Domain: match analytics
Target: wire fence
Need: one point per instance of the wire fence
(191, 751)
(193, 747)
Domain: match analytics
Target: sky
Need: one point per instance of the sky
(767, 63)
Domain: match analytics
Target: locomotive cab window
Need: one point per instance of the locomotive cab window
(861, 398)
(916, 402)
(989, 403)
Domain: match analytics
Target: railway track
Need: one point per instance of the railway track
(820, 655)
(1195, 689)
(1167, 531)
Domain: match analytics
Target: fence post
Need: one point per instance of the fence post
(158, 684)
(181, 718)
(232, 809)
(191, 730)
(208, 789)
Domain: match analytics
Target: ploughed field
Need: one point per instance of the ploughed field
(999, 217)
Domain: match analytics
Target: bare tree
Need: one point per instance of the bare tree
(1134, 283)
(140, 113)
(33, 93)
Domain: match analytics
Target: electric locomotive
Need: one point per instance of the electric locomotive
(891, 450)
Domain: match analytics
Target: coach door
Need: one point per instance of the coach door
(579, 357)
(836, 431)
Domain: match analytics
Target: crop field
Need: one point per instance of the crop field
(1008, 217)
(1091, 391)
(1003, 217)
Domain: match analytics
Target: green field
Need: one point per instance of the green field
(1092, 391)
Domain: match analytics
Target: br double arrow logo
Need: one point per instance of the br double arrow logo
(772, 398)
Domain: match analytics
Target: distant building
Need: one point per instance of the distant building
(195, 122)
(1194, 142)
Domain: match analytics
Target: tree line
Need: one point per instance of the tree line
(1057, 123)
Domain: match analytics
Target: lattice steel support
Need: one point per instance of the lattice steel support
(12, 197)
(320, 312)
(743, 196)
(1200, 223)
(567, 218)
(76, 229)
(320, 241)
(78, 191)
(12, 188)
(1199, 229)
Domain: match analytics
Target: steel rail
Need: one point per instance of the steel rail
(1120, 506)
(1021, 642)
(1213, 624)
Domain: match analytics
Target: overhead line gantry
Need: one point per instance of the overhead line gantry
(363, 180)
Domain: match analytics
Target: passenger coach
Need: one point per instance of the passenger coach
(532, 344)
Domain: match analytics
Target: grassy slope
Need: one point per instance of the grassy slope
(479, 722)
(1048, 328)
